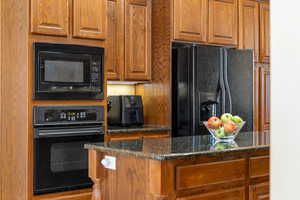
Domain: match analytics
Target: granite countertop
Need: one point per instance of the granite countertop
(182, 147)
(145, 128)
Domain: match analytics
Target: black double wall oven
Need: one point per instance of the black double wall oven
(60, 132)
(64, 71)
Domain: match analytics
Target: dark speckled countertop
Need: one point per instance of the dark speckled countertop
(182, 147)
(145, 128)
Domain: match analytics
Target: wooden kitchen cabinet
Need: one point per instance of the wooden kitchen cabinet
(137, 40)
(190, 20)
(249, 26)
(264, 32)
(223, 22)
(129, 40)
(114, 57)
(265, 90)
(230, 194)
(50, 17)
(262, 78)
(259, 191)
(90, 19)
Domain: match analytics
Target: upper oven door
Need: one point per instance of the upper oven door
(68, 71)
(61, 162)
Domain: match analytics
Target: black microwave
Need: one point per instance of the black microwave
(64, 72)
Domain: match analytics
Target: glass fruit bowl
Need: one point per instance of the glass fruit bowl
(220, 134)
(219, 145)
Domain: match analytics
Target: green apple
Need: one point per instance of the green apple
(225, 117)
(236, 119)
(220, 132)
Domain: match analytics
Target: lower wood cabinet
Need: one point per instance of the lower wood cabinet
(259, 191)
(230, 194)
(136, 136)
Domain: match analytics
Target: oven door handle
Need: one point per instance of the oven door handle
(47, 133)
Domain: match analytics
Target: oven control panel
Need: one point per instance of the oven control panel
(45, 115)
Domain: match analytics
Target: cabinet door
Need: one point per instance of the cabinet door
(265, 97)
(190, 20)
(264, 32)
(90, 19)
(114, 57)
(50, 17)
(259, 192)
(249, 26)
(232, 194)
(138, 40)
(223, 22)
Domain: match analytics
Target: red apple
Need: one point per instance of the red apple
(230, 127)
(214, 123)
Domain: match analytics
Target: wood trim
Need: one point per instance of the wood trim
(14, 98)
(84, 194)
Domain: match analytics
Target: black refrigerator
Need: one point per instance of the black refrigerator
(209, 81)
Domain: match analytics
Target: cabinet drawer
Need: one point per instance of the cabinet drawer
(191, 176)
(259, 166)
(233, 194)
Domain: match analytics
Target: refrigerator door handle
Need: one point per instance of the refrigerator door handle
(227, 87)
(222, 84)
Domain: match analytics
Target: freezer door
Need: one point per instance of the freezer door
(182, 91)
(238, 77)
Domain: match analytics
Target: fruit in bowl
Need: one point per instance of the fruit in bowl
(225, 128)
(214, 123)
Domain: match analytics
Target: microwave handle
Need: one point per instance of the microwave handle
(50, 133)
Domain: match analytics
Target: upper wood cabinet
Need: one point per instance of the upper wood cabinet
(128, 56)
(90, 18)
(264, 32)
(137, 40)
(50, 17)
(259, 192)
(223, 22)
(249, 26)
(190, 20)
(114, 57)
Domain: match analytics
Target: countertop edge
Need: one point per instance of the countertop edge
(175, 156)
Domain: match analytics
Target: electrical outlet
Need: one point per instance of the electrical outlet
(109, 162)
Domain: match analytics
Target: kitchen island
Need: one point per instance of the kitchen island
(183, 168)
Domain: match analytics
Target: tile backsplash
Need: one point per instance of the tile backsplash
(120, 89)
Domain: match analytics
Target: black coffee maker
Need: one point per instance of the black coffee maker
(125, 110)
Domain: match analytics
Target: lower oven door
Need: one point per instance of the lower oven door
(61, 162)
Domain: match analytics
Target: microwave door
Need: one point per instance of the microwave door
(64, 73)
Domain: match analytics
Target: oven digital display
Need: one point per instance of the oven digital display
(64, 71)
(70, 115)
